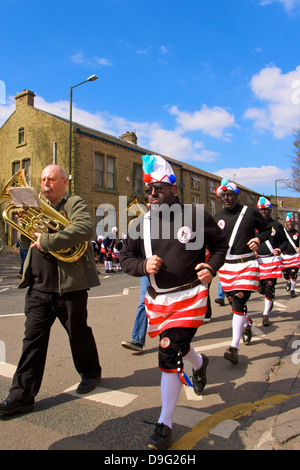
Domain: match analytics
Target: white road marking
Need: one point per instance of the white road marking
(104, 395)
(101, 395)
(189, 417)
(12, 315)
(7, 370)
(225, 429)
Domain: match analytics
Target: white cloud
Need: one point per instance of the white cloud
(173, 144)
(280, 112)
(150, 135)
(144, 51)
(164, 50)
(80, 58)
(289, 5)
(7, 109)
(212, 121)
(254, 177)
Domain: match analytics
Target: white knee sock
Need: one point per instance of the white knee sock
(170, 391)
(268, 306)
(194, 358)
(293, 283)
(238, 323)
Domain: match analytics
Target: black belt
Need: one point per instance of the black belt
(243, 259)
(190, 285)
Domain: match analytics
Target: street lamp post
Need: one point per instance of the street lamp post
(281, 179)
(92, 78)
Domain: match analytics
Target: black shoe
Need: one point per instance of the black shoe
(293, 294)
(231, 354)
(199, 376)
(266, 320)
(11, 407)
(162, 438)
(247, 334)
(87, 385)
(220, 301)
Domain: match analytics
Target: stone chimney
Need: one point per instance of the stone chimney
(129, 137)
(25, 98)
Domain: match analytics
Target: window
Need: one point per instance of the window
(195, 182)
(21, 136)
(196, 199)
(98, 170)
(211, 187)
(137, 179)
(16, 166)
(110, 175)
(27, 166)
(212, 203)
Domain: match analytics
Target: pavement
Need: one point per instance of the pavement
(276, 418)
(271, 423)
(281, 427)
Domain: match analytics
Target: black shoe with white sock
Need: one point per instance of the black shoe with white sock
(162, 438)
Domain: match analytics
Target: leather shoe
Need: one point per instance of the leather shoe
(11, 407)
(162, 438)
(87, 385)
(199, 376)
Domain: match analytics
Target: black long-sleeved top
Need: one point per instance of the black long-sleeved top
(252, 223)
(277, 239)
(179, 263)
(294, 235)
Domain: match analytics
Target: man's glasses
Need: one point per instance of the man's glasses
(157, 188)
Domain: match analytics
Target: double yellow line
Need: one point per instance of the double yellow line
(198, 432)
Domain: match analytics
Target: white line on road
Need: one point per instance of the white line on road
(12, 315)
(101, 395)
(104, 395)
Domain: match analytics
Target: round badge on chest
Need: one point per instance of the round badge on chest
(184, 234)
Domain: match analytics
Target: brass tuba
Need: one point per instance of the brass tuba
(37, 219)
(136, 208)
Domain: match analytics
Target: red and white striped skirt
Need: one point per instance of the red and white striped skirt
(270, 267)
(178, 309)
(291, 261)
(240, 276)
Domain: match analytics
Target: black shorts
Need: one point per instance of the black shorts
(290, 273)
(239, 304)
(173, 345)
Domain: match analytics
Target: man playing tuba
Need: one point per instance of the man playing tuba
(56, 289)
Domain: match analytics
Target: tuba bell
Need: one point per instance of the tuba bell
(136, 208)
(39, 218)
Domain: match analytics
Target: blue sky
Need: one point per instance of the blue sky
(214, 83)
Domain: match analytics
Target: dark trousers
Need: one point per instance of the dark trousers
(41, 310)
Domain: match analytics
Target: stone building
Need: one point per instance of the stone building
(103, 169)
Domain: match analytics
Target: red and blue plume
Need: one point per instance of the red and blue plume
(263, 202)
(290, 217)
(226, 185)
(148, 162)
(156, 168)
